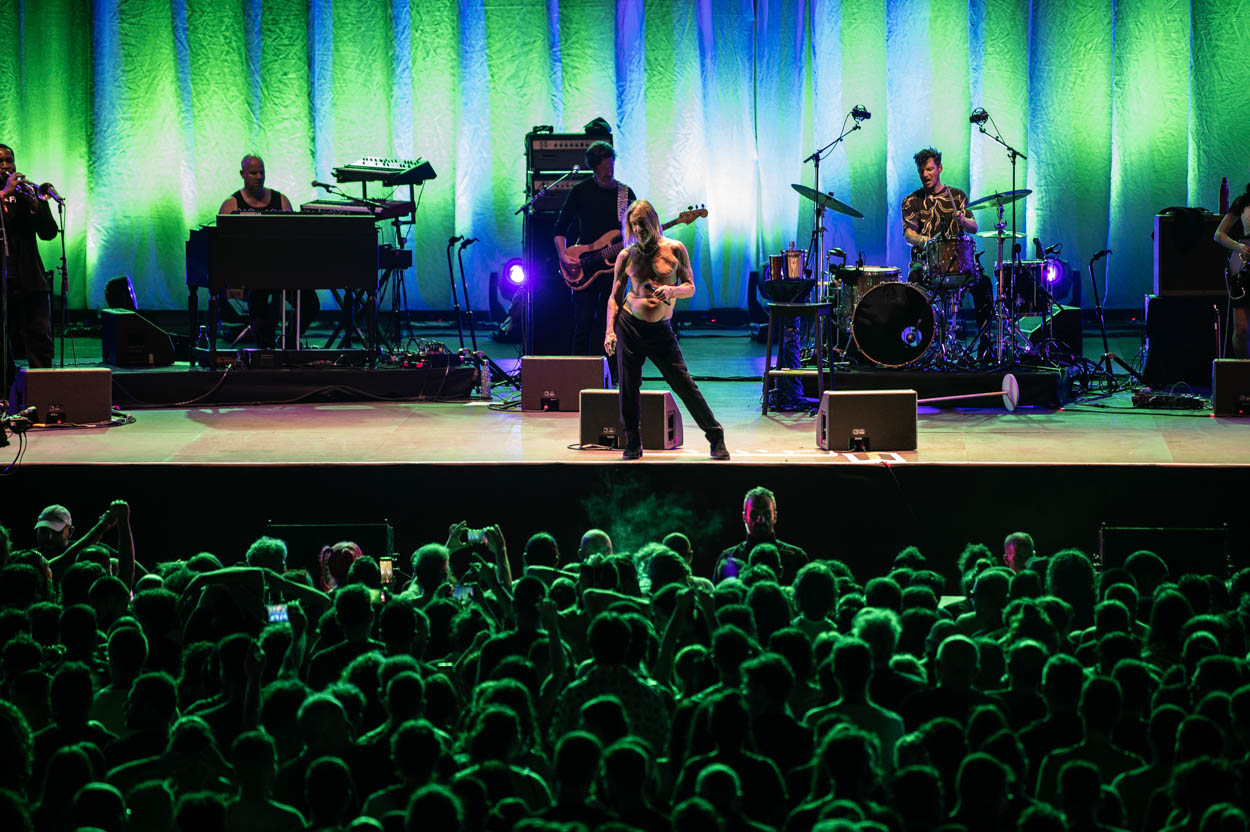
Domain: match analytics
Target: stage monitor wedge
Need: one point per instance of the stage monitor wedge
(127, 339)
(600, 422)
(554, 382)
(867, 420)
(74, 395)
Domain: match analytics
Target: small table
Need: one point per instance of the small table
(819, 312)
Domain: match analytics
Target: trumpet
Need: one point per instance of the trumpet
(23, 187)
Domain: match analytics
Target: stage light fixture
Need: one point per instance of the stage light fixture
(514, 272)
(1052, 271)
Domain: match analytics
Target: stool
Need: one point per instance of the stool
(819, 312)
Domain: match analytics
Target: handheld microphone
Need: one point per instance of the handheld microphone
(1100, 255)
(317, 184)
(451, 241)
(48, 192)
(979, 116)
(860, 113)
(468, 242)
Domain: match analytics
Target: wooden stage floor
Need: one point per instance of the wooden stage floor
(473, 432)
(1088, 432)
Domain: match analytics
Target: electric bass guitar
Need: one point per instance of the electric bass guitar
(1237, 276)
(598, 258)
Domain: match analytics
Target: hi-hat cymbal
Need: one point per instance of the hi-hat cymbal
(1005, 235)
(996, 199)
(827, 201)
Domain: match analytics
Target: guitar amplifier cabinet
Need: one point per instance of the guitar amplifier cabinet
(559, 151)
(553, 200)
(1181, 338)
(600, 422)
(1188, 261)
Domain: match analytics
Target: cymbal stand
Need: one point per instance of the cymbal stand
(818, 220)
(1109, 359)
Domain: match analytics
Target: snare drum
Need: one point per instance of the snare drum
(950, 262)
(856, 282)
(893, 324)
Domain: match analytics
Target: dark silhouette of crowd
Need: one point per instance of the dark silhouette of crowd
(569, 688)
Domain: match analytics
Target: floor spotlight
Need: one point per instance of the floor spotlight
(514, 277)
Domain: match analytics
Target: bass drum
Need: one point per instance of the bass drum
(893, 324)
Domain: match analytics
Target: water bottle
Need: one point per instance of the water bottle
(200, 359)
(484, 374)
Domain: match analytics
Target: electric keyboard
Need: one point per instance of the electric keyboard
(390, 209)
(389, 172)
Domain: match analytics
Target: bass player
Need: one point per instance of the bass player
(594, 207)
(1238, 217)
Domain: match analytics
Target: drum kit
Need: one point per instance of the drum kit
(888, 319)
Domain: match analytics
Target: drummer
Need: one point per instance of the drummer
(937, 209)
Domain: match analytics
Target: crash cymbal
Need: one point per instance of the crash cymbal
(995, 200)
(827, 201)
(1006, 235)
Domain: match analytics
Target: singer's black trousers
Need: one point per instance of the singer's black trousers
(637, 341)
(30, 325)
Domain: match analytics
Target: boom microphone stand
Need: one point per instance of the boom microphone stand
(4, 310)
(979, 117)
(455, 299)
(860, 114)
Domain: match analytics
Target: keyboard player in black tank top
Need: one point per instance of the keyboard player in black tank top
(266, 307)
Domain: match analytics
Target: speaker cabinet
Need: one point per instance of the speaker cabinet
(1064, 323)
(554, 382)
(1188, 261)
(1201, 551)
(601, 420)
(70, 396)
(1230, 386)
(1181, 340)
(128, 339)
(867, 420)
(549, 309)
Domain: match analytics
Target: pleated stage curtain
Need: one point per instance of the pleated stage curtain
(140, 110)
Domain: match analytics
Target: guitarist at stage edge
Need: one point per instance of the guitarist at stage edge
(594, 207)
(1238, 268)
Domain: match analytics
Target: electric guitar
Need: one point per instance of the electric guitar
(1237, 276)
(599, 258)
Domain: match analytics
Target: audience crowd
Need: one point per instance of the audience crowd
(666, 688)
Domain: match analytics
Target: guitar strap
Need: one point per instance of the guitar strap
(622, 202)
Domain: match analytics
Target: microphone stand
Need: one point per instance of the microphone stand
(64, 284)
(455, 299)
(818, 218)
(468, 307)
(1108, 357)
(1004, 308)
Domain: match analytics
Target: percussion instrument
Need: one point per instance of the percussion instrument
(893, 324)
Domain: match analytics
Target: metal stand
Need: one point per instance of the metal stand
(818, 217)
(1109, 360)
(5, 358)
(1003, 310)
(64, 269)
